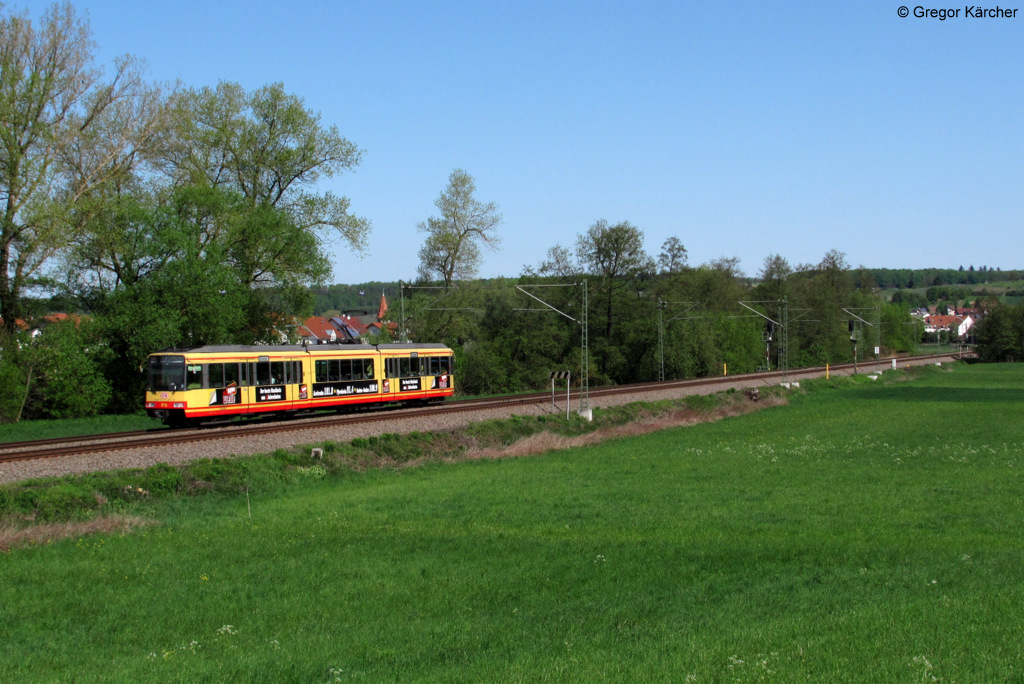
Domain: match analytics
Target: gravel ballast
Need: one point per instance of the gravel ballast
(390, 422)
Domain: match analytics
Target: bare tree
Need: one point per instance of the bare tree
(559, 263)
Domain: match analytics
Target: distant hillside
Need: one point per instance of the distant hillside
(901, 278)
(362, 297)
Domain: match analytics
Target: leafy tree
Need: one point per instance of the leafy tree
(615, 256)
(900, 330)
(122, 243)
(217, 271)
(268, 147)
(454, 239)
(64, 132)
(134, 322)
(826, 289)
(739, 343)
(672, 258)
(1000, 335)
(57, 374)
(715, 286)
(18, 373)
(69, 381)
(774, 277)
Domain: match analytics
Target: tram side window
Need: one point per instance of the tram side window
(446, 364)
(231, 375)
(391, 368)
(362, 369)
(321, 370)
(215, 375)
(404, 368)
(345, 369)
(193, 376)
(270, 373)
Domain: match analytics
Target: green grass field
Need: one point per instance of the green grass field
(871, 533)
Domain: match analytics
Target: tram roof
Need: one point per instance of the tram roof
(298, 348)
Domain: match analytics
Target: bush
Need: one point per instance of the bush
(64, 501)
(162, 479)
(6, 501)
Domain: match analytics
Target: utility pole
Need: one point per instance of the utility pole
(662, 305)
(584, 323)
(781, 326)
(855, 332)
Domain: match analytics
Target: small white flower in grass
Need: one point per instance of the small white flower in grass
(227, 629)
(921, 661)
(599, 558)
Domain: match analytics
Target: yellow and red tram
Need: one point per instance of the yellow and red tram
(204, 383)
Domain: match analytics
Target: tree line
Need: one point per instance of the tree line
(907, 278)
(654, 317)
(647, 317)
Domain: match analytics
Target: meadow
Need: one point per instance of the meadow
(867, 532)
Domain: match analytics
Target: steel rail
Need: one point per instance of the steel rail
(57, 447)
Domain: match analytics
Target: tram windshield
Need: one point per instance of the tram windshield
(166, 374)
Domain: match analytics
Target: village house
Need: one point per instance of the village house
(348, 328)
(37, 325)
(338, 329)
(956, 325)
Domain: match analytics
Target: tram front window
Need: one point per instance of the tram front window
(166, 373)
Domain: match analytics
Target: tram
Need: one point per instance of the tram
(188, 386)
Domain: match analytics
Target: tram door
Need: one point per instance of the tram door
(270, 381)
(229, 385)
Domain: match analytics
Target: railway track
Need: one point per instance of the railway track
(55, 448)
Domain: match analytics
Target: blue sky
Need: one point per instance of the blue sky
(743, 129)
